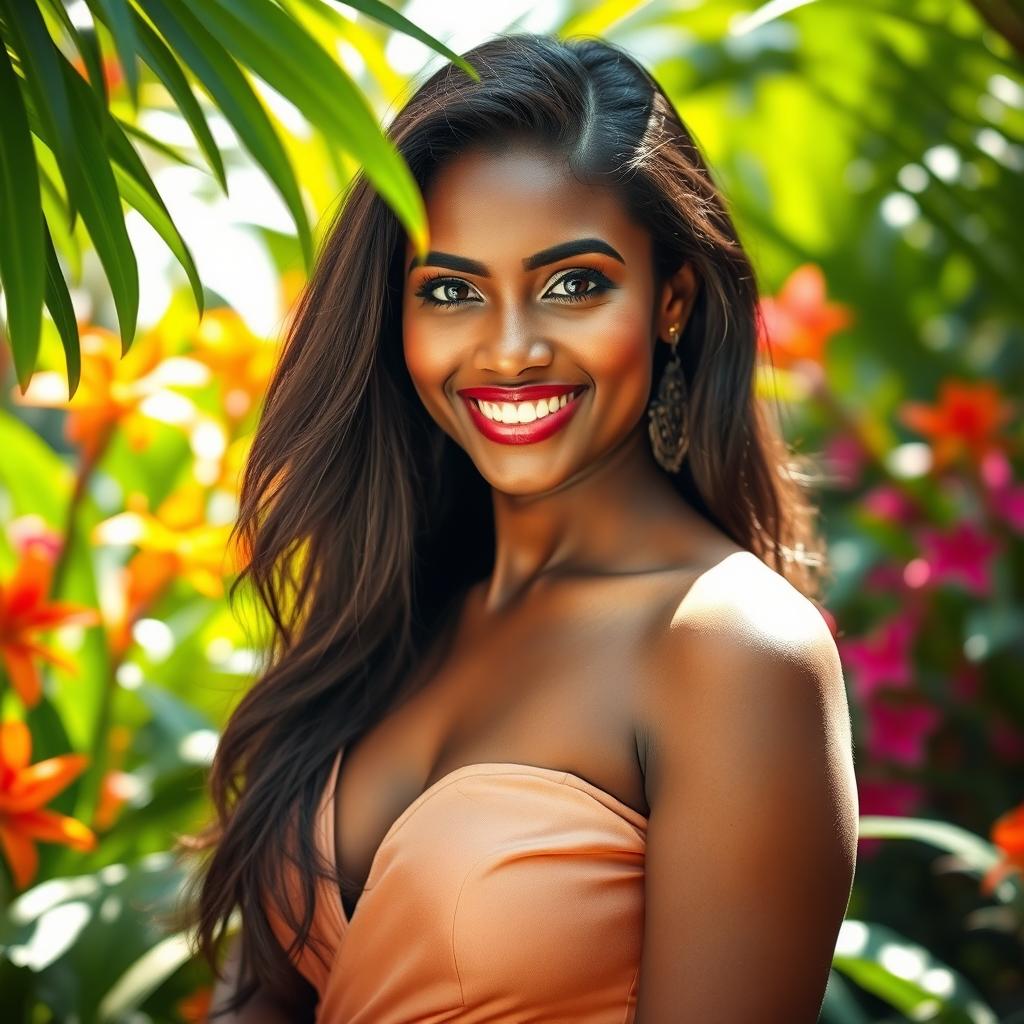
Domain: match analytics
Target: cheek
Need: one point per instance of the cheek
(618, 356)
(430, 362)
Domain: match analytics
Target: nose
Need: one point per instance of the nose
(514, 347)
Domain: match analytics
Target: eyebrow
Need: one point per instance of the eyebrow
(563, 250)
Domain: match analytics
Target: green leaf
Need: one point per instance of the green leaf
(221, 77)
(145, 976)
(840, 1005)
(870, 954)
(166, 67)
(140, 191)
(32, 473)
(380, 11)
(105, 921)
(87, 45)
(117, 16)
(176, 734)
(58, 302)
(44, 84)
(256, 31)
(100, 204)
(89, 48)
(56, 211)
(976, 854)
(21, 214)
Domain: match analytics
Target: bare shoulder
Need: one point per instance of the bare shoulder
(748, 772)
(741, 636)
(743, 600)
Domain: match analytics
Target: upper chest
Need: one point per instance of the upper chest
(555, 684)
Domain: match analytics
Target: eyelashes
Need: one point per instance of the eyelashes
(584, 274)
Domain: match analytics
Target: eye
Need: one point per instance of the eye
(445, 291)
(576, 283)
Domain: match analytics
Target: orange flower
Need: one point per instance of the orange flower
(132, 391)
(241, 360)
(1008, 835)
(796, 324)
(25, 611)
(24, 788)
(966, 420)
(196, 1008)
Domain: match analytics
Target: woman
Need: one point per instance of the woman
(549, 690)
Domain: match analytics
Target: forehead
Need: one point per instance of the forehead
(501, 206)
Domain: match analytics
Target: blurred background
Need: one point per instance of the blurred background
(161, 160)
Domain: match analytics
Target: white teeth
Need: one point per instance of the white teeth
(522, 412)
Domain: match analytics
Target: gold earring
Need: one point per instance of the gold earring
(667, 427)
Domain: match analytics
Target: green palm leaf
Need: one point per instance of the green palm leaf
(119, 18)
(21, 240)
(100, 204)
(379, 11)
(216, 45)
(58, 302)
(225, 82)
(166, 67)
(257, 31)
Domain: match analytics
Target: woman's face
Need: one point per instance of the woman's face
(533, 279)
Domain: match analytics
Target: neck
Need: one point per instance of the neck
(619, 515)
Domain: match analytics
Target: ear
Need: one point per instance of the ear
(676, 301)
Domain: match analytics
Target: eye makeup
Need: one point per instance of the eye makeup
(586, 275)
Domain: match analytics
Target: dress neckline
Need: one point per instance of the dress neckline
(501, 768)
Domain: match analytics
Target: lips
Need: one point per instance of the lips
(522, 433)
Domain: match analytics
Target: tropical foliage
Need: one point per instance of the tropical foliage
(872, 155)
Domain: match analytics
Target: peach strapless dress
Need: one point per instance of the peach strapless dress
(504, 893)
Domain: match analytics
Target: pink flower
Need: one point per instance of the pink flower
(890, 504)
(32, 529)
(889, 797)
(845, 459)
(898, 732)
(882, 658)
(884, 576)
(961, 555)
(1006, 496)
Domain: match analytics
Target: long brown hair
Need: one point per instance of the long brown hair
(356, 544)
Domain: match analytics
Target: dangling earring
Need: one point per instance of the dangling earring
(669, 436)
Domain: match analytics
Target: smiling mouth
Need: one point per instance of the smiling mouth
(513, 413)
(523, 422)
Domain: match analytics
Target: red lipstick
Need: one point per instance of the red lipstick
(521, 433)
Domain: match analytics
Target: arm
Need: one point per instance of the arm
(752, 835)
(261, 1008)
